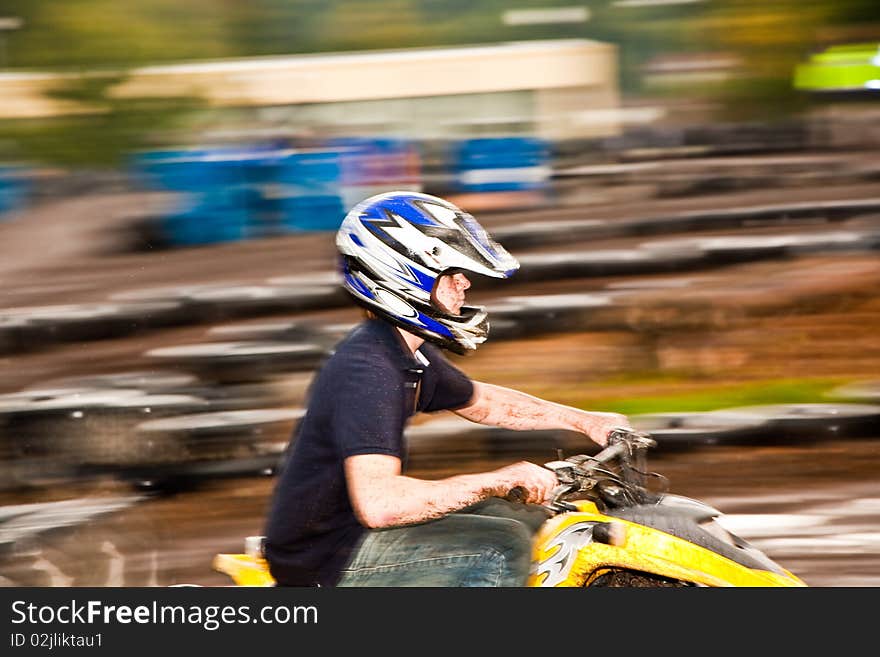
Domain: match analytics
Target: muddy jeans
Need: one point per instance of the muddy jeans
(487, 544)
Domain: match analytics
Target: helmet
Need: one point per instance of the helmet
(396, 245)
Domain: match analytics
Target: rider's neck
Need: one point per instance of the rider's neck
(412, 341)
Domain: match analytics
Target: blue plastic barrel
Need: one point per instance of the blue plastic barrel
(309, 184)
(310, 172)
(312, 213)
(15, 189)
(492, 164)
(217, 187)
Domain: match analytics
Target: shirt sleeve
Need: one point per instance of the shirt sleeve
(445, 387)
(368, 411)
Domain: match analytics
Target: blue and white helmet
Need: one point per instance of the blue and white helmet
(395, 245)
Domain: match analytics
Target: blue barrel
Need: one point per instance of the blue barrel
(262, 173)
(235, 194)
(216, 193)
(173, 170)
(309, 182)
(372, 161)
(311, 172)
(495, 164)
(15, 189)
(312, 213)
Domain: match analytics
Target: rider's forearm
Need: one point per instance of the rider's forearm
(510, 409)
(406, 500)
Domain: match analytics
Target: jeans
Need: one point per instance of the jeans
(487, 544)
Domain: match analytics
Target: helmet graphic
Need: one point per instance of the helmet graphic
(395, 245)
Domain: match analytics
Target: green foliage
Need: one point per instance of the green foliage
(712, 397)
(107, 34)
(103, 134)
(769, 39)
(94, 43)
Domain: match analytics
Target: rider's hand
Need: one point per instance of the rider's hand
(537, 481)
(598, 425)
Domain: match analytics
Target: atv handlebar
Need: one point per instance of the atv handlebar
(625, 446)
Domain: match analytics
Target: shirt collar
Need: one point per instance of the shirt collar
(389, 336)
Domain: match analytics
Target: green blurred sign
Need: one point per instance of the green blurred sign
(851, 67)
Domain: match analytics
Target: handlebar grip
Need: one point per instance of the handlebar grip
(516, 494)
(610, 452)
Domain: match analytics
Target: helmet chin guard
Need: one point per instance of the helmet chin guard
(394, 247)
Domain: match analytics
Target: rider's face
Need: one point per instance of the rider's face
(449, 292)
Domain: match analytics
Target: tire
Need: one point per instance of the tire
(229, 302)
(553, 313)
(242, 361)
(622, 578)
(864, 392)
(225, 435)
(815, 422)
(684, 430)
(146, 381)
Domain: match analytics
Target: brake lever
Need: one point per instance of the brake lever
(564, 471)
(558, 506)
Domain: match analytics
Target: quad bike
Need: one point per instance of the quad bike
(609, 527)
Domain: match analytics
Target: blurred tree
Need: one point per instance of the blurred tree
(391, 25)
(88, 34)
(770, 38)
(103, 133)
(279, 27)
(94, 43)
(858, 12)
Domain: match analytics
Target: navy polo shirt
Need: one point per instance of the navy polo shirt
(359, 403)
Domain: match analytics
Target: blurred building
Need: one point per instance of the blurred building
(555, 89)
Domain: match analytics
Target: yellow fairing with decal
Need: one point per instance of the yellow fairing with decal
(244, 569)
(557, 559)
